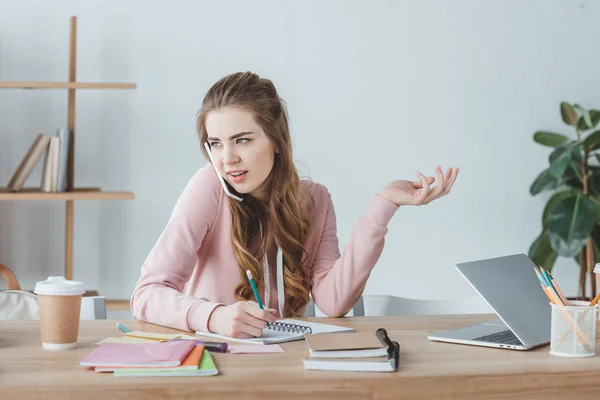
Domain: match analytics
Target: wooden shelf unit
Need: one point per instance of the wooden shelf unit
(117, 304)
(72, 193)
(65, 85)
(76, 194)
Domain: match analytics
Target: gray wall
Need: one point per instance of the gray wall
(376, 91)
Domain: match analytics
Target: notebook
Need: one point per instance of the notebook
(346, 345)
(190, 363)
(206, 367)
(285, 330)
(375, 364)
(361, 351)
(169, 354)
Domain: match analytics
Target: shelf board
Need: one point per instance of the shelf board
(117, 305)
(77, 194)
(65, 85)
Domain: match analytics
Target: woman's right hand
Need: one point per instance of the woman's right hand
(242, 320)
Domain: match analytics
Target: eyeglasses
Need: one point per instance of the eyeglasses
(393, 347)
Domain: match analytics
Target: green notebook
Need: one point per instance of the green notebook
(207, 367)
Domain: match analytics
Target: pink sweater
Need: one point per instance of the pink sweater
(192, 269)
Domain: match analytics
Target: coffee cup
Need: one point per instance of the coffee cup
(59, 302)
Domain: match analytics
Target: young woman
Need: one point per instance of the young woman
(260, 217)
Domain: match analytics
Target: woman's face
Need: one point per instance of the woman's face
(242, 152)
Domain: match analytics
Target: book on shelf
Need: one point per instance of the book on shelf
(55, 163)
(35, 152)
(51, 166)
(63, 159)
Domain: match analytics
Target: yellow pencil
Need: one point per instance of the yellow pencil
(560, 293)
(595, 300)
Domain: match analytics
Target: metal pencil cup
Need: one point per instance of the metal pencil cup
(573, 330)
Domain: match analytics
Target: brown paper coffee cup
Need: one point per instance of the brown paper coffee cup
(59, 303)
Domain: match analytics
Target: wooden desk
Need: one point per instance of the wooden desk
(428, 370)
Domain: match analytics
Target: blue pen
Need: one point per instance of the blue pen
(254, 289)
(121, 327)
(540, 277)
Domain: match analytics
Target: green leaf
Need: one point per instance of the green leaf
(592, 142)
(571, 176)
(568, 113)
(541, 252)
(577, 152)
(544, 181)
(594, 117)
(596, 202)
(585, 114)
(570, 224)
(594, 181)
(554, 200)
(560, 158)
(549, 139)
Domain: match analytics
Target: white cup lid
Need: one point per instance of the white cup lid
(597, 268)
(59, 286)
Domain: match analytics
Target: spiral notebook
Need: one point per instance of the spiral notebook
(285, 330)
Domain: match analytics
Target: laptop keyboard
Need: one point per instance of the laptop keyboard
(504, 337)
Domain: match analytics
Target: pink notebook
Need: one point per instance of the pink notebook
(169, 354)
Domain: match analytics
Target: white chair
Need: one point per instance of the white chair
(93, 307)
(310, 309)
(384, 305)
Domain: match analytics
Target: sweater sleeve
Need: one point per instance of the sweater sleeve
(338, 280)
(158, 296)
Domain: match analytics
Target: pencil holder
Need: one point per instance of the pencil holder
(573, 330)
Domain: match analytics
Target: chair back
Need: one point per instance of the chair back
(385, 305)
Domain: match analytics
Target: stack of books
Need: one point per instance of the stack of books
(181, 358)
(356, 351)
(55, 165)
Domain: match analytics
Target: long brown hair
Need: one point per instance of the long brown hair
(285, 220)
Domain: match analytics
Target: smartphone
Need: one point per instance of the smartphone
(228, 191)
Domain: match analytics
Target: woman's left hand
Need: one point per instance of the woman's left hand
(417, 193)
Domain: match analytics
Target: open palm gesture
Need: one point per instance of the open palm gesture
(417, 193)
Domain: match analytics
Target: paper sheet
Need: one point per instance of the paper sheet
(127, 339)
(160, 336)
(256, 349)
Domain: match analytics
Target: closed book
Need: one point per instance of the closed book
(132, 355)
(63, 159)
(206, 367)
(354, 351)
(372, 364)
(191, 363)
(48, 174)
(35, 152)
(53, 155)
(346, 345)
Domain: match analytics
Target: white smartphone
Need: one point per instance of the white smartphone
(223, 183)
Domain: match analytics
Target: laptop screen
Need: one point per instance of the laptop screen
(511, 288)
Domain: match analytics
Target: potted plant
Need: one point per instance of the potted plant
(571, 217)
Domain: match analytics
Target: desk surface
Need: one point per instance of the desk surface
(427, 369)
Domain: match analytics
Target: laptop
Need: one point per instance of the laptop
(511, 288)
